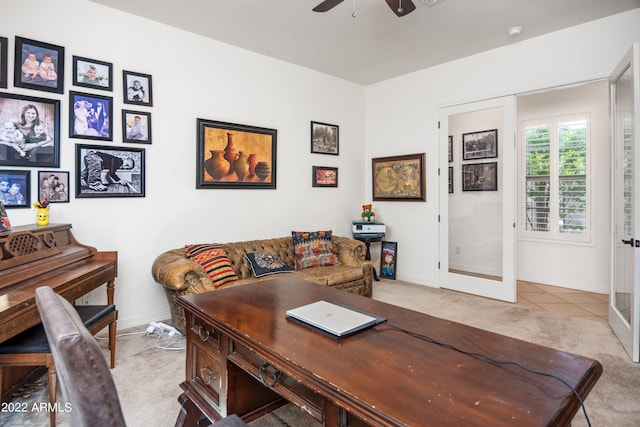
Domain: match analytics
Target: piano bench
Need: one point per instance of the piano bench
(31, 348)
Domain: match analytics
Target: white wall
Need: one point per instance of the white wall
(193, 77)
(579, 53)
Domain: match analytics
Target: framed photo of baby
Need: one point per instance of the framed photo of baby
(137, 88)
(136, 127)
(92, 73)
(29, 131)
(38, 65)
(90, 116)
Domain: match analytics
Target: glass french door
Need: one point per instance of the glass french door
(624, 298)
(477, 199)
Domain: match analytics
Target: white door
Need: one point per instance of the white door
(477, 199)
(624, 299)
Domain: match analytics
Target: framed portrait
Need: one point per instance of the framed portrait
(29, 131)
(54, 186)
(137, 88)
(450, 148)
(480, 145)
(92, 73)
(399, 178)
(324, 176)
(90, 116)
(388, 260)
(450, 179)
(136, 126)
(4, 48)
(15, 188)
(109, 172)
(38, 65)
(325, 138)
(235, 156)
(480, 177)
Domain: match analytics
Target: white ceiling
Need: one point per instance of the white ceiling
(375, 45)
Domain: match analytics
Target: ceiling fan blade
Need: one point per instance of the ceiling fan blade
(407, 7)
(327, 5)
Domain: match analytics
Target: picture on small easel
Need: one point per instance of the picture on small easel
(388, 258)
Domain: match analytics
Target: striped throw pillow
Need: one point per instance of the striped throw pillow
(214, 260)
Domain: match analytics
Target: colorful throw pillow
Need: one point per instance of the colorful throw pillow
(314, 249)
(265, 264)
(214, 260)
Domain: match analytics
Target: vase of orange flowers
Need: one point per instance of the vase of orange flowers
(42, 211)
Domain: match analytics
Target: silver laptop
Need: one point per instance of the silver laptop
(334, 319)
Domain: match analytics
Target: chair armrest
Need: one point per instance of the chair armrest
(173, 270)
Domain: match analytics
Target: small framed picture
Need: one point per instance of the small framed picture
(324, 176)
(480, 177)
(38, 65)
(29, 131)
(4, 48)
(109, 171)
(388, 260)
(15, 188)
(54, 186)
(480, 145)
(137, 88)
(450, 148)
(136, 126)
(325, 138)
(92, 73)
(90, 116)
(450, 179)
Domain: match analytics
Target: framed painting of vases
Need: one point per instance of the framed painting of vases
(235, 156)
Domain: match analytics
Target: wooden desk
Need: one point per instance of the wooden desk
(244, 357)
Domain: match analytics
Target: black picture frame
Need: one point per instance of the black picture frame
(325, 138)
(11, 196)
(480, 176)
(324, 176)
(27, 76)
(4, 66)
(220, 144)
(38, 120)
(137, 88)
(92, 73)
(53, 186)
(450, 148)
(450, 179)
(480, 145)
(90, 116)
(388, 260)
(100, 174)
(136, 127)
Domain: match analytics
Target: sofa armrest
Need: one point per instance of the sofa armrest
(351, 252)
(175, 271)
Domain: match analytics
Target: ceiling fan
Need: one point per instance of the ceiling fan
(399, 7)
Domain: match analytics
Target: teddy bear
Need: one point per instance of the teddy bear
(367, 213)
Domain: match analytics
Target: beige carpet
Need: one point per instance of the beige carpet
(147, 377)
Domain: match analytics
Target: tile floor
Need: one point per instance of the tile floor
(570, 302)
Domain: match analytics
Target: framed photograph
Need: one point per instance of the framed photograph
(136, 126)
(388, 258)
(54, 186)
(450, 148)
(399, 178)
(324, 176)
(4, 67)
(325, 138)
(480, 177)
(38, 65)
(450, 179)
(109, 172)
(235, 156)
(90, 116)
(29, 131)
(137, 88)
(480, 145)
(92, 73)
(15, 188)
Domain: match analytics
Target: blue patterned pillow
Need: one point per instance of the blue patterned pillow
(265, 264)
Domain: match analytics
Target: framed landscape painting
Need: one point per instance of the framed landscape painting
(480, 145)
(325, 138)
(480, 177)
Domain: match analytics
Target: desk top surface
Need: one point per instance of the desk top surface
(404, 371)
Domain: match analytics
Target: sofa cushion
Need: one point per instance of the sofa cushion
(314, 249)
(214, 260)
(264, 264)
(331, 275)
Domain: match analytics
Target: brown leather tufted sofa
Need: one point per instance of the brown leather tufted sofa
(181, 276)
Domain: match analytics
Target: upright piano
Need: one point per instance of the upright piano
(32, 256)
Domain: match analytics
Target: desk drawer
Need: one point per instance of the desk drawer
(206, 374)
(204, 334)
